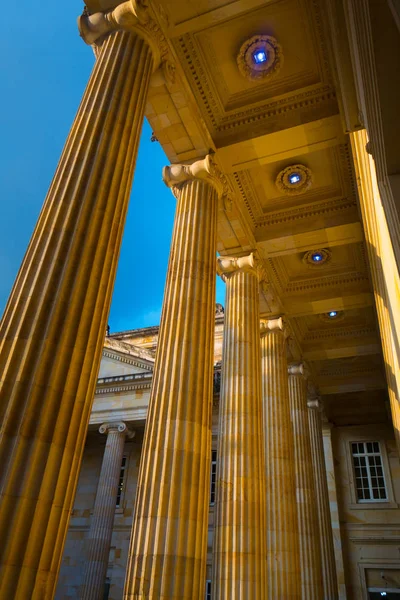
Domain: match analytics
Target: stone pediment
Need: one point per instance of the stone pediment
(120, 359)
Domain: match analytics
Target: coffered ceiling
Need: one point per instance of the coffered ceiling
(257, 127)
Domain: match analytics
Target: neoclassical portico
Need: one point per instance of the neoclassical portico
(275, 150)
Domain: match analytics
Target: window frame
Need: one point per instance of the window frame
(124, 467)
(369, 435)
(366, 454)
(213, 492)
(207, 595)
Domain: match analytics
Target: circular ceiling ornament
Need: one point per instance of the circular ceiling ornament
(316, 258)
(260, 57)
(295, 179)
(332, 316)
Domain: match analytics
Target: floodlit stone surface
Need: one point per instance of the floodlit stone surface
(53, 327)
(283, 558)
(168, 550)
(239, 558)
(329, 577)
(310, 551)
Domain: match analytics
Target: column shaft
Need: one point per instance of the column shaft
(239, 564)
(167, 556)
(101, 525)
(53, 326)
(283, 561)
(310, 552)
(329, 578)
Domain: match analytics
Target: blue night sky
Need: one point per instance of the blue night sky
(45, 67)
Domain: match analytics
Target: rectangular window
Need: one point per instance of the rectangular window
(213, 481)
(121, 482)
(368, 471)
(208, 589)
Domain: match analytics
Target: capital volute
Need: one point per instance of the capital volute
(133, 15)
(117, 427)
(277, 325)
(298, 369)
(229, 265)
(315, 404)
(205, 169)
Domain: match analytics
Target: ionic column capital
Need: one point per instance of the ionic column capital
(277, 325)
(229, 265)
(175, 176)
(133, 15)
(118, 426)
(315, 404)
(299, 369)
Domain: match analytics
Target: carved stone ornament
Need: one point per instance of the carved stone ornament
(227, 265)
(135, 16)
(271, 57)
(175, 176)
(293, 180)
(299, 369)
(118, 426)
(274, 325)
(324, 254)
(219, 310)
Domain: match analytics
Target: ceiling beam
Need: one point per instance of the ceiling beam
(326, 237)
(282, 145)
(299, 307)
(360, 349)
(213, 17)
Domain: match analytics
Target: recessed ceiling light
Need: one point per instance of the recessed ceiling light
(332, 314)
(260, 56)
(316, 257)
(294, 178)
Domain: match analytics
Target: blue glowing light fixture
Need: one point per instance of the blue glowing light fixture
(383, 594)
(316, 257)
(294, 178)
(260, 57)
(332, 314)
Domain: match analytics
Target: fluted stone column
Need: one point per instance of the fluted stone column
(283, 560)
(329, 577)
(310, 552)
(167, 556)
(101, 526)
(239, 564)
(53, 327)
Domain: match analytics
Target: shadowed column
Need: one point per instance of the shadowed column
(53, 327)
(329, 578)
(101, 525)
(239, 558)
(283, 561)
(310, 552)
(167, 555)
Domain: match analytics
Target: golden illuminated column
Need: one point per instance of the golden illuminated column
(101, 525)
(329, 577)
(239, 563)
(167, 556)
(283, 560)
(310, 551)
(52, 332)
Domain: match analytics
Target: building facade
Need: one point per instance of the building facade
(279, 119)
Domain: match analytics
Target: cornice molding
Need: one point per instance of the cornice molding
(352, 332)
(307, 211)
(135, 362)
